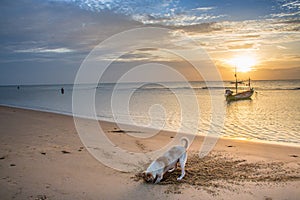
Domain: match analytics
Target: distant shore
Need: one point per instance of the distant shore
(42, 157)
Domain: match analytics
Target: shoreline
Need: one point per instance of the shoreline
(42, 157)
(200, 135)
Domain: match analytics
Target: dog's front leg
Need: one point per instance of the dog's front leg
(159, 177)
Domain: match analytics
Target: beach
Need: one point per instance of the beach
(42, 157)
(93, 92)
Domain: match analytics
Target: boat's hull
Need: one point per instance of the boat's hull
(240, 95)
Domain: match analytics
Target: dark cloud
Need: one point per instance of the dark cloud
(201, 28)
(41, 23)
(43, 38)
(129, 57)
(148, 49)
(288, 21)
(41, 33)
(251, 36)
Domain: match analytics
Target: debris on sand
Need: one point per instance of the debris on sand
(41, 197)
(2, 157)
(65, 152)
(215, 169)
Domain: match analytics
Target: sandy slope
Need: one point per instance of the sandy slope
(42, 157)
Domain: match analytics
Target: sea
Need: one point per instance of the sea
(271, 116)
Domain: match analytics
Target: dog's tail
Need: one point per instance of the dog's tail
(186, 142)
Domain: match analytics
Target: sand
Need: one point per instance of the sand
(42, 157)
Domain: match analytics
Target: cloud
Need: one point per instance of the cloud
(181, 13)
(62, 32)
(281, 47)
(141, 56)
(176, 20)
(56, 27)
(291, 5)
(200, 28)
(159, 12)
(45, 50)
(263, 31)
(293, 14)
(204, 8)
(127, 7)
(251, 36)
(241, 46)
(45, 38)
(148, 49)
(286, 9)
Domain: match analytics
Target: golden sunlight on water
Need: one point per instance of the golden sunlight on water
(273, 114)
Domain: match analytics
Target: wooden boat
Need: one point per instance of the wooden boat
(239, 96)
(231, 96)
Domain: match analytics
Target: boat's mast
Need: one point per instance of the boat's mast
(249, 83)
(236, 83)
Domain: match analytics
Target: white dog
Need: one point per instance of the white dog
(167, 163)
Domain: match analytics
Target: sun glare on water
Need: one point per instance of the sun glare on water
(243, 63)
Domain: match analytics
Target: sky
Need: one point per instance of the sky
(46, 41)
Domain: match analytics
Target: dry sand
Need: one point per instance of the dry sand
(42, 157)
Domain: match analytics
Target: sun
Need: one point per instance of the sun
(243, 63)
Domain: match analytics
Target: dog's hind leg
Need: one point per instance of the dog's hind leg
(175, 167)
(182, 162)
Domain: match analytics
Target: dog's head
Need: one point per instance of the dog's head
(148, 177)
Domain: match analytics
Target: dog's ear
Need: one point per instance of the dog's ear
(144, 175)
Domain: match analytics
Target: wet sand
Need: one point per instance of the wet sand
(42, 157)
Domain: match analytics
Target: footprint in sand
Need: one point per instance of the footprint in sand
(41, 197)
(2, 157)
(140, 145)
(230, 146)
(65, 152)
(294, 156)
(80, 148)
